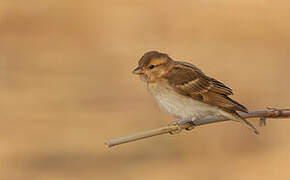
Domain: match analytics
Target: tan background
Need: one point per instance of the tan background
(66, 87)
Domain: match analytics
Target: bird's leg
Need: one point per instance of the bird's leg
(178, 125)
(181, 122)
(191, 122)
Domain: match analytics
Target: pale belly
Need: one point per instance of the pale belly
(180, 106)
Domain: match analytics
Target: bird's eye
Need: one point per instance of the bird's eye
(151, 66)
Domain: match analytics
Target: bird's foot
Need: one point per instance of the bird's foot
(179, 124)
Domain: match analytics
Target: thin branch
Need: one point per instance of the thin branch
(269, 113)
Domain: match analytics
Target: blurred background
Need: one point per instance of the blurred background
(66, 87)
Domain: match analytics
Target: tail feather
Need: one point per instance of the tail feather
(245, 122)
(235, 116)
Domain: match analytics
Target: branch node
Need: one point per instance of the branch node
(262, 121)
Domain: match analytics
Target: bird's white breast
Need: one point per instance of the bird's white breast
(180, 106)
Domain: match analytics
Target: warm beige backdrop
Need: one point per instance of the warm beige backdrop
(66, 87)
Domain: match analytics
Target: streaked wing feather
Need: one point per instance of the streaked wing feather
(221, 88)
(191, 81)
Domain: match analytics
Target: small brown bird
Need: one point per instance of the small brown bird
(184, 91)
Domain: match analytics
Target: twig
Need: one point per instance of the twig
(269, 113)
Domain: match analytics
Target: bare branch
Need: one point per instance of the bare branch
(269, 113)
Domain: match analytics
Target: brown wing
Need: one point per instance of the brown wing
(187, 79)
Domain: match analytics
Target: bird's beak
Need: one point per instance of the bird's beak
(138, 71)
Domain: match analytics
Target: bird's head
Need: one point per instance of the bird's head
(153, 65)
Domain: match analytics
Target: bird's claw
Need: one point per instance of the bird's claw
(179, 123)
(176, 131)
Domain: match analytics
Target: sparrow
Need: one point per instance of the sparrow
(185, 92)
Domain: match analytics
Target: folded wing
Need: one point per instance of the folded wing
(188, 80)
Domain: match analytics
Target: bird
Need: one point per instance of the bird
(185, 92)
